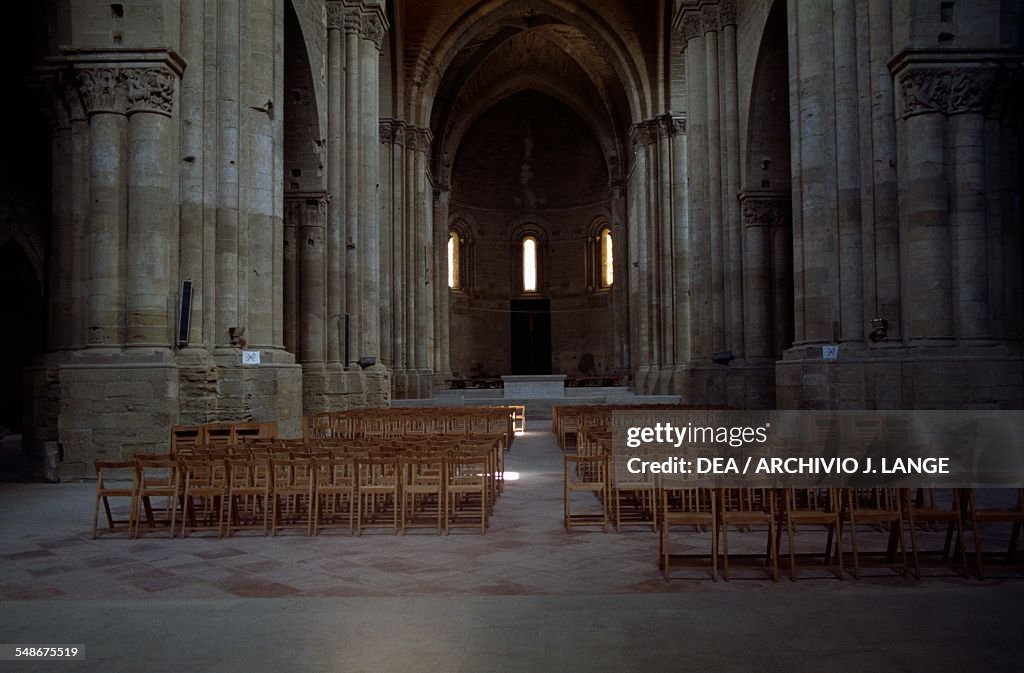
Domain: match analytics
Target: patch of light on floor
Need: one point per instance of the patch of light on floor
(511, 476)
(520, 433)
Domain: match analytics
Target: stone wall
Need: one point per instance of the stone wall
(531, 164)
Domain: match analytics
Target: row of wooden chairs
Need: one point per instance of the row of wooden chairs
(894, 511)
(568, 419)
(230, 491)
(226, 434)
(778, 511)
(386, 423)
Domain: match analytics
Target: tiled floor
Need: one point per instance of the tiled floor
(53, 574)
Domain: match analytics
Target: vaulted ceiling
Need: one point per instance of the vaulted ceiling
(461, 57)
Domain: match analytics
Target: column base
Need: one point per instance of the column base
(899, 377)
(85, 406)
(741, 384)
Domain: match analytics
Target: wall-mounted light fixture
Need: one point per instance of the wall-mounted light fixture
(879, 329)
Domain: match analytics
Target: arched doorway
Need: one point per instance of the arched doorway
(24, 316)
(766, 200)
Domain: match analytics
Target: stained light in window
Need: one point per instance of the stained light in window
(607, 266)
(529, 264)
(453, 261)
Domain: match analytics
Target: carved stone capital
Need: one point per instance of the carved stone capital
(670, 125)
(306, 208)
(945, 91)
(150, 90)
(127, 90)
(417, 139)
(691, 25)
(103, 90)
(764, 210)
(644, 133)
(373, 29)
(392, 131)
(709, 18)
(971, 89)
(336, 15)
(351, 20)
(72, 97)
(727, 13)
(59, 96)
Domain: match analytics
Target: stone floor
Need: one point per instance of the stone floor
(527, 596)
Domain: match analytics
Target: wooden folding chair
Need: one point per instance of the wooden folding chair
(422, 490)
(931, 506)
(114, 480)
(465, 490)
(377, 491)
(882, 507)
(156, 477)
(204, 496)
(749, 507)
(586, 474)
(334, 494)
(291, 498)
(696, 507)
(813, 507)
(1013, 514)
(248, 493)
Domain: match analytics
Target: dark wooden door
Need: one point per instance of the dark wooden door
(531, 336)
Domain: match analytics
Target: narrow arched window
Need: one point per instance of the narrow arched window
(529, 264)
(607, 260)
(453, 261)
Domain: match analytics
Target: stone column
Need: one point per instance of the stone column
(666, 133)
(69, 180)
(422, 250)
(410, 253)
(262, 174)
(642, 275)
(650, 252)
(716, 228)
(812, 111)
(848, 211)
(883, 297)
(227, 270)
(763, 214)
(352, 26)
(368, 244)
(336, 181)
(681, 258)
(312, 240)
(385, 181)
(399, 252)
(620, 288)
(293, 217)
(733, 232)
(152, 196)
(192, 238)
(442, 348)
(924, 221)
(970, 90)
(697, 152)
(104, 95)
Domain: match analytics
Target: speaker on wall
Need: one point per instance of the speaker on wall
(185, 315)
